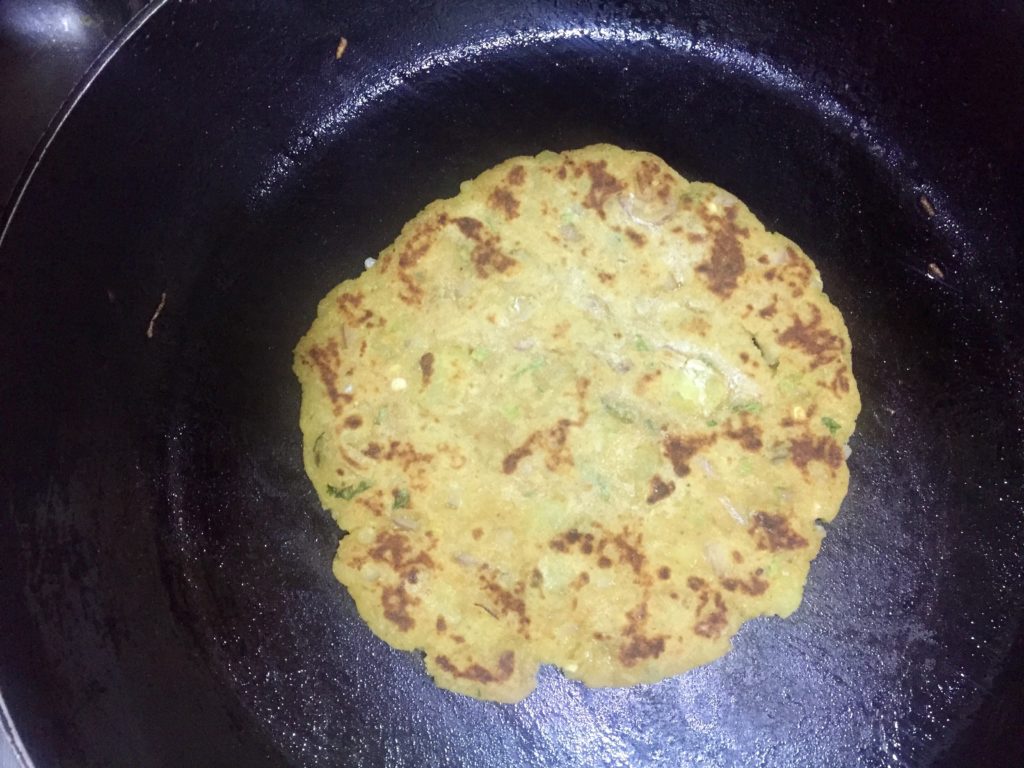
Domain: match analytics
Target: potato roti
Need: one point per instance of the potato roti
(585, 413)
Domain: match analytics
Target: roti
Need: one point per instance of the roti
(584, 413)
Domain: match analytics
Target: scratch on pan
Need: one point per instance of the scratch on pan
(156, 314)
(340, 50)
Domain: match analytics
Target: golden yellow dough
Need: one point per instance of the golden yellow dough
(584, 413)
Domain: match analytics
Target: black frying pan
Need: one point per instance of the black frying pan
(165, 588)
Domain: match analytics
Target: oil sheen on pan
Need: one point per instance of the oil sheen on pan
(585, 413)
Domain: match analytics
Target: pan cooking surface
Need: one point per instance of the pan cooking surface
(165, 555)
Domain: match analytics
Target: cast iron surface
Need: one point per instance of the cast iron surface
(166, 589)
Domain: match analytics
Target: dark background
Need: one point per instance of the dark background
(44, 48)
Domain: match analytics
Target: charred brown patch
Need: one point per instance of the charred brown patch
(754, 585)
(769, 311)
(511, 461)
(737, 557)
(646, 380)
(350, 305)
(417, 246)
(722, 269)
(564, 542)
(412, 293)
(505, 601)
(552, 442)
(441, 625)
(405, 454)
(396, 602)
(606, 277)
(680, 450)
(773, 533)
(477, 533)
(503, 200)
(660, 489)
(695, 237)
(638, 646)
(580, 581)
(747, 435)
(840, 383)
(808, 448)
(696, 583)
(647, 173)
(604, 562)
(353, 422)
(602, 186)
(711, 622)
(393, 549)
(427, 367)
(814, 340)
(628, 553)
(373, 450)
(469, 227)
(480, 674)
(516, 176)
(489, 259)
(326, 360)
(635, 237)
(664, 573)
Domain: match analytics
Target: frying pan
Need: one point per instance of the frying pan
(165, 588)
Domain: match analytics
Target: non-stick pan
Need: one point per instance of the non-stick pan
(165, 588)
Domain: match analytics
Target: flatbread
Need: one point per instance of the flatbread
(585, 413)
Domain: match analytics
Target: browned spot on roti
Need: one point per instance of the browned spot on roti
(553, 442)
(629, 554)
(604, 562)
(469, 227)
(813, 339)
(353, 422)
(754, 585)
(773, 532)
(747, 435)
(441, 624)
(355, 314)
(660, 489)
(808, 448)
(664, 573)
(505, 601)
(723, 267)
(696, 583)
(503, 200)
(480, 674)
(768, 311)
(427, 366)
(606, 277)
(840, 383)
(646, 380)
(638, 645)
(477, 533)
(396, 602)
(680, 450)
(602, 186)
(326, 359)
(394, 549)
(489, 259)
(711, 623)
(516, 176)
(635, 237)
